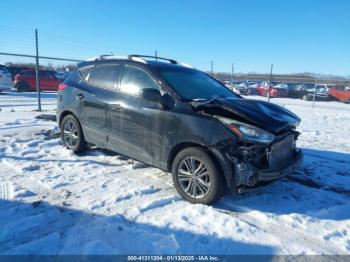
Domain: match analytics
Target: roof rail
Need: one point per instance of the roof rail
(138, 58)
(102, 57)
(155, 57)
(113, 57)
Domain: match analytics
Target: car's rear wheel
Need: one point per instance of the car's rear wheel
(72, 134)
(22, 87)
(196, 177)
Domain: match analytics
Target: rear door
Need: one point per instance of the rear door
(134, 121)
(95, 99)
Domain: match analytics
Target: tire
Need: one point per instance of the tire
(207, 185)
(22, 87)
(72, 135)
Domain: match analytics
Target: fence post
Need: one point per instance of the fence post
(270, 85)
(37, 69)
(232, 71)
(313, 99)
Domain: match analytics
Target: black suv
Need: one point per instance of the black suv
(179, 119)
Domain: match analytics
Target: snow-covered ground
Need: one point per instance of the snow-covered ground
(55, 202)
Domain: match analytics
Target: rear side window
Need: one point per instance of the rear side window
(85, 72)
(134, 80)
(103, 75)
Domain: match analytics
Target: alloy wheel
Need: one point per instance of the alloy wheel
(70, 134)
(194, 177)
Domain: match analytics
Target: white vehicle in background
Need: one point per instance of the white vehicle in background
(5, 79)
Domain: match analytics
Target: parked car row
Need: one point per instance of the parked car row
(24, 79)
(292, 90)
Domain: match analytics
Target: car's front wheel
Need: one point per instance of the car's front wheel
(196, 177)
(72, 135)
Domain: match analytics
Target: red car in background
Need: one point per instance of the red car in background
(276, 90)
(342, 93)
(25, 81)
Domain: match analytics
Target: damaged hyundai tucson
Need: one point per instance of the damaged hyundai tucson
(179, 119)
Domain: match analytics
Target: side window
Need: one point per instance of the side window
(85, 72)
(27, 73)
(134, 80)
(104, 75)
(45, 74)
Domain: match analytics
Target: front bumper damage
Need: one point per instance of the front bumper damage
(270, 174)
(247, 165)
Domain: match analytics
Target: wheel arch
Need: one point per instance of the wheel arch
(64, 114)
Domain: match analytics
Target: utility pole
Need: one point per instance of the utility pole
(270, 85)
(156, 55)
(37, 70)
(212, 68)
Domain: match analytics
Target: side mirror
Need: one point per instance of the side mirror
(154, 95)
(151, 94)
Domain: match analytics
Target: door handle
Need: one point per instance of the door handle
(117, 107)
(79, 97)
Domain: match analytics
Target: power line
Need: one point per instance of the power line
(42, 57)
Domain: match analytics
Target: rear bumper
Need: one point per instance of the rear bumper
(270, 175)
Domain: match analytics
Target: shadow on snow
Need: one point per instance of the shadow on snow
(42, 228)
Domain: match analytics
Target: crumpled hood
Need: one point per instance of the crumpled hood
(268, 116)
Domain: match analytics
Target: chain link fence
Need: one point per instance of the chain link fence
(35, 63)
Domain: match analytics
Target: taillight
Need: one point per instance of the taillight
(62, 86)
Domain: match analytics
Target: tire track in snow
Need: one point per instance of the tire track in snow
(5, 187)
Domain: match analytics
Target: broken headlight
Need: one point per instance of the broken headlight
(247, 132)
